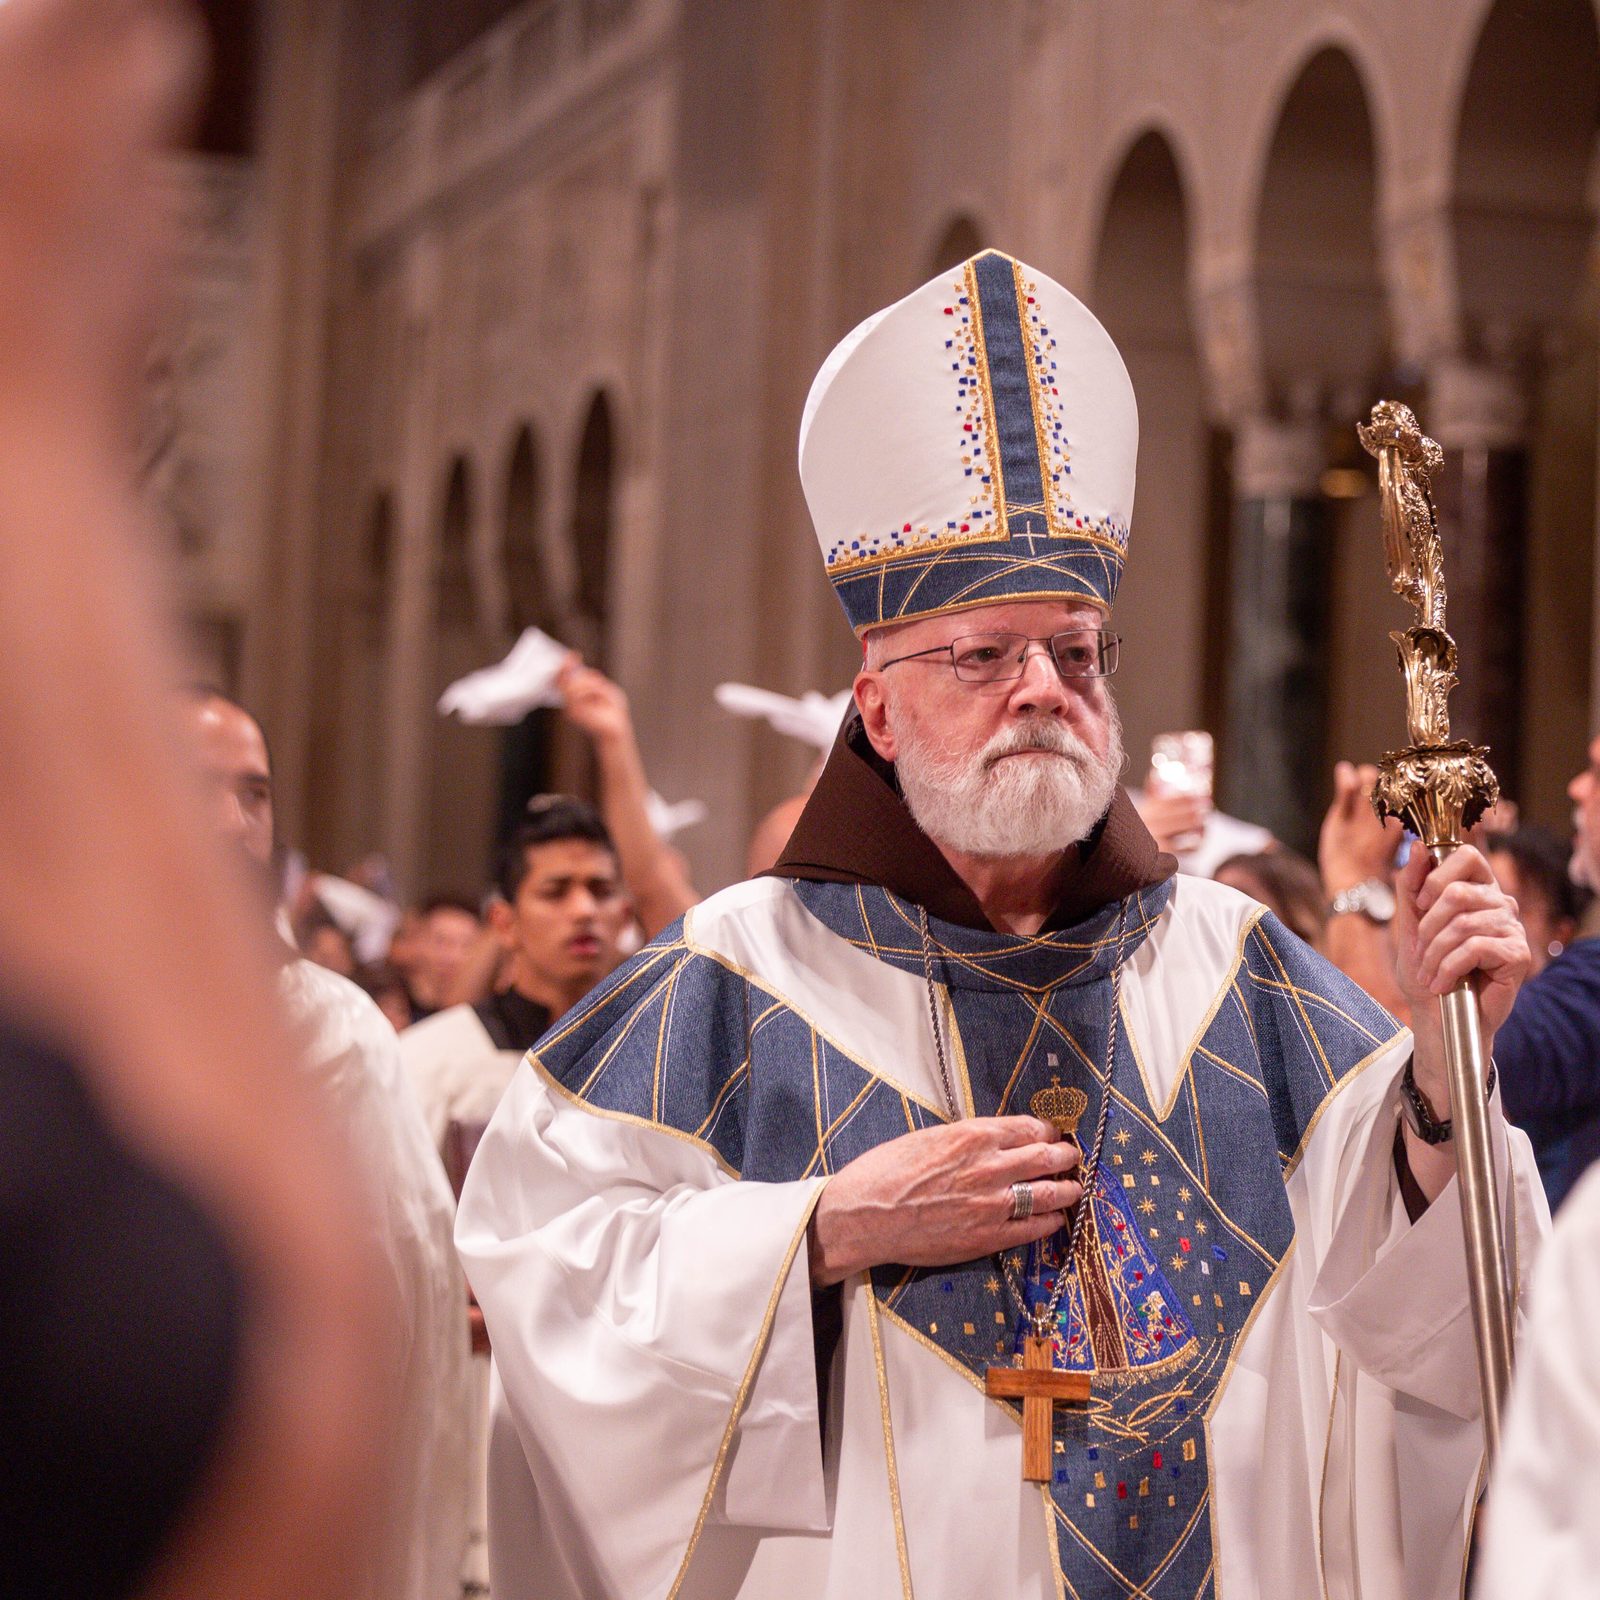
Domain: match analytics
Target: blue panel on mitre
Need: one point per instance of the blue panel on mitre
(973, 443)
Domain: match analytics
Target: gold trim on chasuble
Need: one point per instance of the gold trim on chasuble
(1268, 1289)
(745, 1385)
(1162, 1109)
(763, 986)
(1265, 1295)
(889, 1460)
(552, 1082)
(1322, 1477)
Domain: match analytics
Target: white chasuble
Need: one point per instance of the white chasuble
(351, 1055)
(1283, 1386)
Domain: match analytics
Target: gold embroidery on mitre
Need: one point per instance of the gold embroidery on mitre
(1061, 1108)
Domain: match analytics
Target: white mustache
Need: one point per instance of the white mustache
(1048, 736)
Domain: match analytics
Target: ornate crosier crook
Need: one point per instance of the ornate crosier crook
(1439, 788)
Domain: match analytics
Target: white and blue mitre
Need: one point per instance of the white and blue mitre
(974, 442)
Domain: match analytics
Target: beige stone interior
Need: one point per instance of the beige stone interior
(501, 314)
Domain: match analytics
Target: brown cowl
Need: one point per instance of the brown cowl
(856, 828)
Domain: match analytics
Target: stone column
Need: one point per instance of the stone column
(1272, 762)
(1478, 412)
(303, 47)
(408, 719)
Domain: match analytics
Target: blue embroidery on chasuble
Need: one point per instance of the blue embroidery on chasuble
(1189, 1217)
(1189, 1213)
(678, 1039)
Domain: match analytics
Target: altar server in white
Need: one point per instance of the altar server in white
(972, 1079)
(350, 1055)
(1544, 1538)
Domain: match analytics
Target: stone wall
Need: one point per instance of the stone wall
(1281, 209)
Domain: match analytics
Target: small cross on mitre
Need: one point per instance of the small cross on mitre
(1061, 1108)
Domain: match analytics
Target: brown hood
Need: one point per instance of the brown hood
(856, 828)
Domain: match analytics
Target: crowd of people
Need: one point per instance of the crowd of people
(242, 1166)
(474, 981)
(567, 904)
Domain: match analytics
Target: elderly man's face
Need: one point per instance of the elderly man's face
(994, 768)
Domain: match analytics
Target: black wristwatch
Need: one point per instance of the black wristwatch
(1420, 1119)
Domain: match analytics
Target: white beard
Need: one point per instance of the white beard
(1027, 806)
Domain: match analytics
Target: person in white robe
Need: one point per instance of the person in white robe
(973, 1077)
(1543, 1537)
(559, 914)
(351, 1055)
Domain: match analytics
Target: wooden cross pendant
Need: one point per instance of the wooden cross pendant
(1038, 1385)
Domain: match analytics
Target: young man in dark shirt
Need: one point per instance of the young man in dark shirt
(560, 914)
(559, 917)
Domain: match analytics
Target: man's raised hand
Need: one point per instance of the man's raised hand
(1354, 845)
(941, 1196)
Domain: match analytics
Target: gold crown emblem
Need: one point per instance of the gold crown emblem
(1061, 1108)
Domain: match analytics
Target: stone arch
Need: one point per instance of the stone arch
(959, 239)
(461, 788)
(455, 597)
(530, 600)
(1297, 562)
(1522, 199)
(1320, 302)
(593, 529)
(1140, 291)
(1512, 397)
(527, 750)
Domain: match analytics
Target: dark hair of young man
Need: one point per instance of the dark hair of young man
(550, 817)
(1287, 884)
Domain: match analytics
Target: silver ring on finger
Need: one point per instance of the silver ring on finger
(1021, 1201)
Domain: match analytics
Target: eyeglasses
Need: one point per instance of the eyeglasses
(1001, 657)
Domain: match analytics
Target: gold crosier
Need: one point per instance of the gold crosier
(1440, 787)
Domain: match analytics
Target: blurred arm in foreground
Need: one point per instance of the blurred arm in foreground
(105, 864)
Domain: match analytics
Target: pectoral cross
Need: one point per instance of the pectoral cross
(1038, 1385)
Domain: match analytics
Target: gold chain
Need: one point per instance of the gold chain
(1043, 1317)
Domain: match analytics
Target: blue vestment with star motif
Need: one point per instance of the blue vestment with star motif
(1189, 1219)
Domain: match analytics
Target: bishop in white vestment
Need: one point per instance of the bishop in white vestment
(712, 1380)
